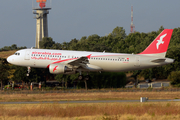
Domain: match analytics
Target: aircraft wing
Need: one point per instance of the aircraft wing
(84, 63)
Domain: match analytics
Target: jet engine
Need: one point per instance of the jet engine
(59, 69)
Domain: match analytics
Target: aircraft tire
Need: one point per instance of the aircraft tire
(87, 77)
(80, 77)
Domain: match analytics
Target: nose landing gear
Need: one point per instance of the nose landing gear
(28, 70)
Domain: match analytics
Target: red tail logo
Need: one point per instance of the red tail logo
(55, 68)
(160, 44)
(160, 41)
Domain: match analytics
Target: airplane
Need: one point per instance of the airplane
(71, 62)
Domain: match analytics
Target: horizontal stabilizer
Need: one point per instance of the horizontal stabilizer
(158, 60)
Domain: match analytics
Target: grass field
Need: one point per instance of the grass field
(88, 96)
(95, 111)
(5, 54)
(91, 111)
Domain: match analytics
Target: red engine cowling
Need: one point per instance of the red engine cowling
(59, 69)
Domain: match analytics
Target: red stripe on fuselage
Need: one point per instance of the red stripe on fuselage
(89, 56)
(62, 61)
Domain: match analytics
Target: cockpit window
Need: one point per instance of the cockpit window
(16, 53)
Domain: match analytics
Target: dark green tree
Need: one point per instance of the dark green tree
(3, 71)
(63, 78)
(46, 43)
(174, 77)
(119, 32)
(20, 74)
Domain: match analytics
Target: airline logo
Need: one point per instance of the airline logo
(55, 68)
(160, 41)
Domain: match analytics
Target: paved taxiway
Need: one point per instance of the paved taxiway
(90, 101)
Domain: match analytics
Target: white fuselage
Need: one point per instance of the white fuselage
(98, 61)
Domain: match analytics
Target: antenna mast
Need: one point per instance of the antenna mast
(132, 25)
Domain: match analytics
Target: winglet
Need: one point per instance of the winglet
(160, 45)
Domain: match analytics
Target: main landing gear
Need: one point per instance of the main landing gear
(28, 70)
(84, 78)
(81, 77)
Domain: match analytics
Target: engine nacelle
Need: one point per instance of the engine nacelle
(59, 69)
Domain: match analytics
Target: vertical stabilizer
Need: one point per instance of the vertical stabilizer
(160, 45)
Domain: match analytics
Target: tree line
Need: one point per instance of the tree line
(12, 47)
(116, 42)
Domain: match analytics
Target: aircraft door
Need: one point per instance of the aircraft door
(27, 55)
(137, 61)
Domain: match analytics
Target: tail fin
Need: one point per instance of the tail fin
(160, 45)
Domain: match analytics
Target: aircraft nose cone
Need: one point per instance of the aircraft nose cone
(9, 59)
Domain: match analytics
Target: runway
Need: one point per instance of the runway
(89, 101)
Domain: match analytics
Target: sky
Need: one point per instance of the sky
(69, 19)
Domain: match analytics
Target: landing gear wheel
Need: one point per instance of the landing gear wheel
(87, 77)
(80, 77)
(28, 70)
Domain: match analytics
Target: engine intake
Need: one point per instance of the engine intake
(59, 69)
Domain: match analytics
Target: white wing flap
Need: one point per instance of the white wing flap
(79, 62)
(84, 63)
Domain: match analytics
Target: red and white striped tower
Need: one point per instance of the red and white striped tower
(132, 25)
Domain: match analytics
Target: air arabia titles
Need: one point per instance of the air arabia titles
(46, 56)
(46, 53)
